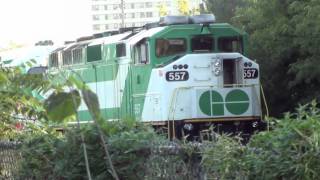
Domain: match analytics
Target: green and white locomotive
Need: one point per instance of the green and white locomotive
(183, 73)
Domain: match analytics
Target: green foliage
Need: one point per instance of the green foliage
(284, 38)
(50, 157)
(183, 7)
(61, 105)
(224, 10)
(290, 151)
(92, 103)
(224, 158)
(17, 100)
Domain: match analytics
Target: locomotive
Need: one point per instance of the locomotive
(182, 74)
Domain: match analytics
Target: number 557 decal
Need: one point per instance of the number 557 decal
(177, 76)
(250, 73)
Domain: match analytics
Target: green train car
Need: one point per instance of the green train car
(183, 74)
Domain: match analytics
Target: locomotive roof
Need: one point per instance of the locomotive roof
(109, 39)
(135, 34)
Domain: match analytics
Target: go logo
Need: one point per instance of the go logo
(212, 103)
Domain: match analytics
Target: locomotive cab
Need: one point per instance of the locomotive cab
(200, 77)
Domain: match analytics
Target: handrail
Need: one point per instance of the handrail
(171, 110)
(265, 105)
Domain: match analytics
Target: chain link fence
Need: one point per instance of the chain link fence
(9, 157)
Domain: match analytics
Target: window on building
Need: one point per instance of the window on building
(132, 5)
(149, 14)
(149, 4)
(120, 50)
(202, 44)
(129, 15)
(230, 44)
(105, 7)
(106, 17)
(169, 47)
(94, 53)
(116, 26)
(115, 16)
(141, 52)
(95, 7)
(106, 26)
(142, 15)
(116, 6)
(141, 5)
(95, 17)
(96, 27)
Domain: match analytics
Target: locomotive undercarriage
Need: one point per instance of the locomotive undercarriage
(207, 129)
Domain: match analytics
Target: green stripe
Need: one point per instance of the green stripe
(107, 113)
(98, 72)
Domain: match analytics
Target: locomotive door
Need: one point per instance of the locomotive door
(140, 76)
(232, 74)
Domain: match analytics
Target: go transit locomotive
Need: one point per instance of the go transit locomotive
(184, 73)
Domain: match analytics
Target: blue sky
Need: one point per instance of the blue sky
(27, 21)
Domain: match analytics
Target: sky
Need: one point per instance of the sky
(28, 21)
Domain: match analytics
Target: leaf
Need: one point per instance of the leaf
(33, 61)
(29, 64)
(62, 105)
(79, 84)
(92, 103)
(3, 78)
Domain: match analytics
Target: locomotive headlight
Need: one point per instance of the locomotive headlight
(217, 71)
(217, 63)
(188, 127)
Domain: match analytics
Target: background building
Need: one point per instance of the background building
(107, 14)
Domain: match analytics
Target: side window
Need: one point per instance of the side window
(141, 52)
(78, 54)
(168, 47)
(121, 50)
(94, 53)
(230, 44)
(202, 44)
(54, 59)
(67, 57)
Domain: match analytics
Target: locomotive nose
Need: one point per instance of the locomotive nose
(213, 86)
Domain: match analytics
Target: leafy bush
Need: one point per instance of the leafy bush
(290, 151)
(48, 156)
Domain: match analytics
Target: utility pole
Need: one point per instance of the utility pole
(122, 13)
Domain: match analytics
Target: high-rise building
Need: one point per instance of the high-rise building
(107, 14)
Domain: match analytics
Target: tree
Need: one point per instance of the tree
(163, 10)
(284, 38)
(224, 10)
(183, 7)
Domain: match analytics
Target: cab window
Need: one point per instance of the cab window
(121, 50)
(201, 44)
(141, 52)
(169, 47)
(94, 53)
(230, 44)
